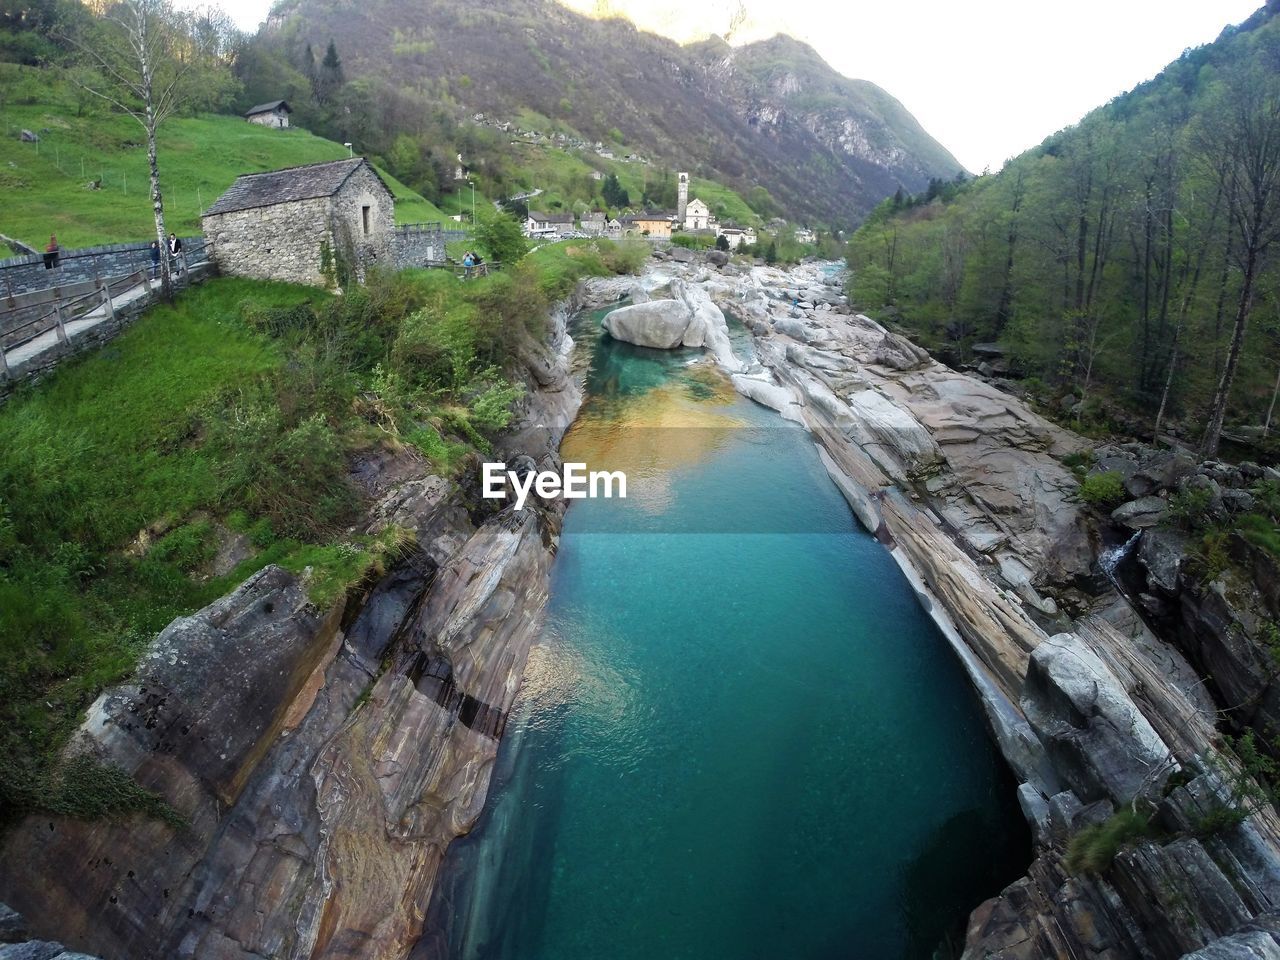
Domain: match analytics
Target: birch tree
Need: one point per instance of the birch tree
(151, 61)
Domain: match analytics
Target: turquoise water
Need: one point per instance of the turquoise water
(732, 744)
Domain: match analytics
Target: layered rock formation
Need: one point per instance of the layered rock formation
(321, 759)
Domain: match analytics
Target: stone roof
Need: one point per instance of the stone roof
(268, 107)
(306, 182)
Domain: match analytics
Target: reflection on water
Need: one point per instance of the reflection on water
(731, 744)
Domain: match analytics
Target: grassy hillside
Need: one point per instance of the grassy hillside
(565, 179)
(44, 184)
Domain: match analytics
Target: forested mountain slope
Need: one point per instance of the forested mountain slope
(1130, 258)
(827, 149)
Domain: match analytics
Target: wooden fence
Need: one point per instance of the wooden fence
(24, 317)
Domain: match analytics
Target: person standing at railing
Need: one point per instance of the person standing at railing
(51, 253)
(155, 259)
(468, 262)
(175, 254)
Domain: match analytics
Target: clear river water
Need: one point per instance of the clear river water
(741, 737)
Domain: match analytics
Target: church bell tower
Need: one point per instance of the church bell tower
(682, 197)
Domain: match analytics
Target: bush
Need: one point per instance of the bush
(501, 238)
(1103, 490)
(1093, 848)
(1189, 508)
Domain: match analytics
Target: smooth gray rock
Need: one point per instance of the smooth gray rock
(1161, 553)
(717, 257)
(1141, 513)
(658, 323)
(793, 328)
(1237, 501)
(681, 255)
(1036, 811)
(1099, 741)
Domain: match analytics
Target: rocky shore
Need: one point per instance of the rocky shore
(321, 760)
(1095, 714)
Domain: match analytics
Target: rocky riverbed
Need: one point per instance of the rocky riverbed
(1094, 713)
(322, 774)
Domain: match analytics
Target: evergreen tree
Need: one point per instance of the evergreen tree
(614, 193)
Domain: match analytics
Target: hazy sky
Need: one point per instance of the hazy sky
(988, 79)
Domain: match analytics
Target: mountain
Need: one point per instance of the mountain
(771, 114)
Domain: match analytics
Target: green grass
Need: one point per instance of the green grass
(1094, 847)
(234, 409)
(44, 184)
(111, 446)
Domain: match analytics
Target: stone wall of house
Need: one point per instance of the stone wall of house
(376, 244)
(281, 242)
(20, 275)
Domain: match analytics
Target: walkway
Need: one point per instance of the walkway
(63, 321)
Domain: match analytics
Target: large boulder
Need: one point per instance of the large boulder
(658, 323)
(1098, 740)
(880, 423)
(1141, 513)
(1161, 552)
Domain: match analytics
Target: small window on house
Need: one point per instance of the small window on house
(364, 219)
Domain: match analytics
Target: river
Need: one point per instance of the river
(741, 737)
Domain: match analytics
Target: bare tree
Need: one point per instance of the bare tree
(151, 60)
(1242, 144)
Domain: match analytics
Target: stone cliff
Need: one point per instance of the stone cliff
(321, 760)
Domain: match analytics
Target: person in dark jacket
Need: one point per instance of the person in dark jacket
(155, 258)
(51, 253)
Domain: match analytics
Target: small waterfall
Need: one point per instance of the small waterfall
(1112, 557)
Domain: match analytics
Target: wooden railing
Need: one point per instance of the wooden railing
(29, 315)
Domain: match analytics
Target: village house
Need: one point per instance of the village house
(300, 224)
(613, 228)
(651, 223)
(273, 114)
(737, 236)
(697, 215)
(805, 235)
(593, 223)
(540, 224)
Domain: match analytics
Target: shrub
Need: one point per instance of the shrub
(1103, 490)
(1093, 848)
(1189, 508)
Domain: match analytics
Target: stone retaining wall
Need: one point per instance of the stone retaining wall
(20, 275)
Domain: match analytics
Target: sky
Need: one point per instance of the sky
(987, 79)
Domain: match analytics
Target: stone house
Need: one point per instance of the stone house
(300, 224)
(593, 223)
(273, 114)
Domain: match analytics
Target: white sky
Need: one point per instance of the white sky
(988, 78)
